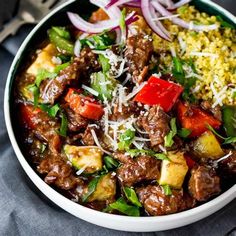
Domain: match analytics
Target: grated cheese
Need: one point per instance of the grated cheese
(135, 91)
(165, 17)
(204, 54)
(90, 90)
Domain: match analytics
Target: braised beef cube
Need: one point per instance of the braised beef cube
(87, 137)
(75, 121)
(156, 123)
(138, 53)
(138, 169)
(52, 89)
(227, 167)
(156, 203)
(58, 173)
(203, 183)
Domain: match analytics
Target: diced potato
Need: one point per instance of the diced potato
(88, 158)
(207, 146)
(44, 60)
(173, 172)
(106, 189)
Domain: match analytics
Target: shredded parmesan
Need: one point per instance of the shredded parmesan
(135, 91)
(224, 157)
(90, 90)
(95, 138)
(165, 17)
(204, 54)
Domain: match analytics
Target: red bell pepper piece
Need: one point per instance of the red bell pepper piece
(190, 162)
(85, 106)
(28, 115)
(195, 119)
(159, 92)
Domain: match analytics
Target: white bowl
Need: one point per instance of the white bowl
(118, 222)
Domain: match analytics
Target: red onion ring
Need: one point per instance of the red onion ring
(99, 27)
(181, 22)
(179, 4)
(145, 7)
(131, 3)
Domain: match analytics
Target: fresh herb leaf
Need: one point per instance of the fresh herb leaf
(52, 111)
(168, 139)
(42, 75)
(121, 206)
(167, 190)
(214, 132)
(161, 156)
(228, 140)
(223, 23)
(104, 62)
(64, 125)
(123, 27)
(126, 139)
(184, 133)
(64, 58)
(35, 90)
(62, 32)
(132, 196)
(110, 162)
(61, 67)
(91, 188)
(103, 84)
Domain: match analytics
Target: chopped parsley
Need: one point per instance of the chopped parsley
(184, 133)
(132, 196)
(110, 162)
(126, 139)
(223, 23)
(168, 139)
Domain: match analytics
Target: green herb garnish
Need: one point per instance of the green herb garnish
(91, 188)
(61, 31)
(167, 190)
(126, 139)
(61, 67)
(228, 140)
(132, 196)
(64, 125)
(104, 62)
(168, 139)
(224, 23)
(184, 133)
(110, 162)
(121, 206)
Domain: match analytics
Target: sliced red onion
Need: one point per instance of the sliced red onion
(167, 3)
(181, 22)
(179, 4)
(135, 4)
(113, 12)
(145, 7)
(99, 27)
(77, 47)
(159, 24)
(117, 3)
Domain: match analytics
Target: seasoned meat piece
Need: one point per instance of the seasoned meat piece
(227, 167)
(58, 172)
(141, 168)
(75, 121)
(216, 111)
(126, 112)
(156, 124)
(156, 203)
(138, 52)
(52, 89)
(203, 183)
(43, 127)
(87, 137)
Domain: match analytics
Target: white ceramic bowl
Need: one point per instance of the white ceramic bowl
(125, 223)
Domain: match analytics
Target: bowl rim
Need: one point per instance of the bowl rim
(86, 213)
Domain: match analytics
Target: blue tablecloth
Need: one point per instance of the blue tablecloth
(26, 211)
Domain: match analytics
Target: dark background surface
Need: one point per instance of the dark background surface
(25, 211)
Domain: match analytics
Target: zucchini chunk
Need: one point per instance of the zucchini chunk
(105, 190)
(173, 172)
(207, 146)
(89, 158)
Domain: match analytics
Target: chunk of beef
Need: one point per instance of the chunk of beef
(227, 167)
(50, 90)
(203, 183)
(130, 109)
(156, 123)
(87, 137)
(43, 127)
(138, 169)
(216, 111)
(75, 121)
(156, 203)
(138, 53)
(58, 172)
